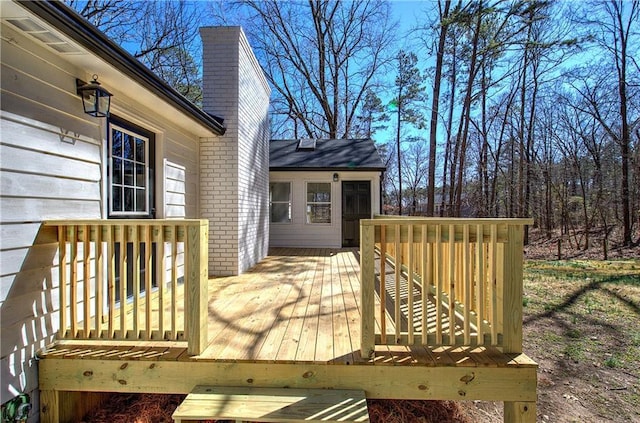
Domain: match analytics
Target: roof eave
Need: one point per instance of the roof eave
(74, 26)
(325, 169)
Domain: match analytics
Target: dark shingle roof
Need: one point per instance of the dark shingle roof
(354, 154)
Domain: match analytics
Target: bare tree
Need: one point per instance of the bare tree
(320, 56)
(415, 170)
(407, 102)
(615, 23)
(443, 26)
(161, 34)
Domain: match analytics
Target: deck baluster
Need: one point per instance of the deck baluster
(135, 272)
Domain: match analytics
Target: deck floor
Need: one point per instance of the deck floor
(296, 306)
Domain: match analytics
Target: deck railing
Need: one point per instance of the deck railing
(442, 282)
(134, 279)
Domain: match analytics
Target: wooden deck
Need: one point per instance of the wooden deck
(292, 321)
(295, 306)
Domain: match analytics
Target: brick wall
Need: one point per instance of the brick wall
(234, 168)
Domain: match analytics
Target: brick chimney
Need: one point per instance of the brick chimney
(234, 168)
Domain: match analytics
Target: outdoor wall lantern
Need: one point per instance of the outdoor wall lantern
(95, 99)
(336, 178)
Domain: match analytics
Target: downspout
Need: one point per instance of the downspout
(380, 188)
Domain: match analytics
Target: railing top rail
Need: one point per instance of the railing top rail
(415, 220)
(119, 222)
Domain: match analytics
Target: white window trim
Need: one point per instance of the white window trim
(330, 203)
(110, 173)
(290, 203)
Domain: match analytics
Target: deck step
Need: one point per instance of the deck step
(252, 404)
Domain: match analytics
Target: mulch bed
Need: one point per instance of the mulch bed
(155, 408)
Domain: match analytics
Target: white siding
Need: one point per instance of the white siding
(175, 180)
(53, 166)
(50, 168)
(298, 233)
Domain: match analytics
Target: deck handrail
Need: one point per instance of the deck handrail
(454, 282)
(160, 295)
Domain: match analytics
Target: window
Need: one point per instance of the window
(131, 158)
(280, 202)
(319, 202)
(130, 193)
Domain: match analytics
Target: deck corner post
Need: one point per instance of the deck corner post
(512, 285)
(367, 288)
(49, 406)
(519, 412)
(197, 284)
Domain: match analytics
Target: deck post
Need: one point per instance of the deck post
(49, 406)
(196, 284)
(519, 412)
(512, 275)
(367, 288)
(512, 259)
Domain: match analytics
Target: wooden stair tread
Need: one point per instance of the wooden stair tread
(273, 405)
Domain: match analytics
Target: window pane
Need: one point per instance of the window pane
(129, 197)
(280, 213)
(280, 191)
(318, 192)
(319, 213)
(129, 146)
(128, 172)
(140, 175)
(117, 171)
(116, 142)
(117, 199)
(139, 150)
(140, 200)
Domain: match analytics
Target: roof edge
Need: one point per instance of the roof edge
(67, 21)
(326, 169)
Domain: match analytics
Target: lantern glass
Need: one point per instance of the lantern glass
(95, 99)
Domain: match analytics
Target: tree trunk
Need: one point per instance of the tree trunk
(467, 113)
(625, 138)
(399, 152)
(447, 151)
(435, 104)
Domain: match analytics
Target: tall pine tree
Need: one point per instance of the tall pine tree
(410, 95)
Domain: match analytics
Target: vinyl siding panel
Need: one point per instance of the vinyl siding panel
(175, 192)
(53, 166)
(42, 176)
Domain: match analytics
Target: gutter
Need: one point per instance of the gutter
(78, 29)
(322, 169)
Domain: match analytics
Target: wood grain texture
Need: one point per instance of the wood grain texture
(273, 405)
(385, 379)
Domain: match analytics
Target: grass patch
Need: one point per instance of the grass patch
(613, 362)
(582, 324)
(573, 334)
(574, 351)
(594, 304)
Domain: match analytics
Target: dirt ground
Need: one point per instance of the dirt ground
(581, 324)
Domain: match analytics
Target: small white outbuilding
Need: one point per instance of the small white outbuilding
(319, 189)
